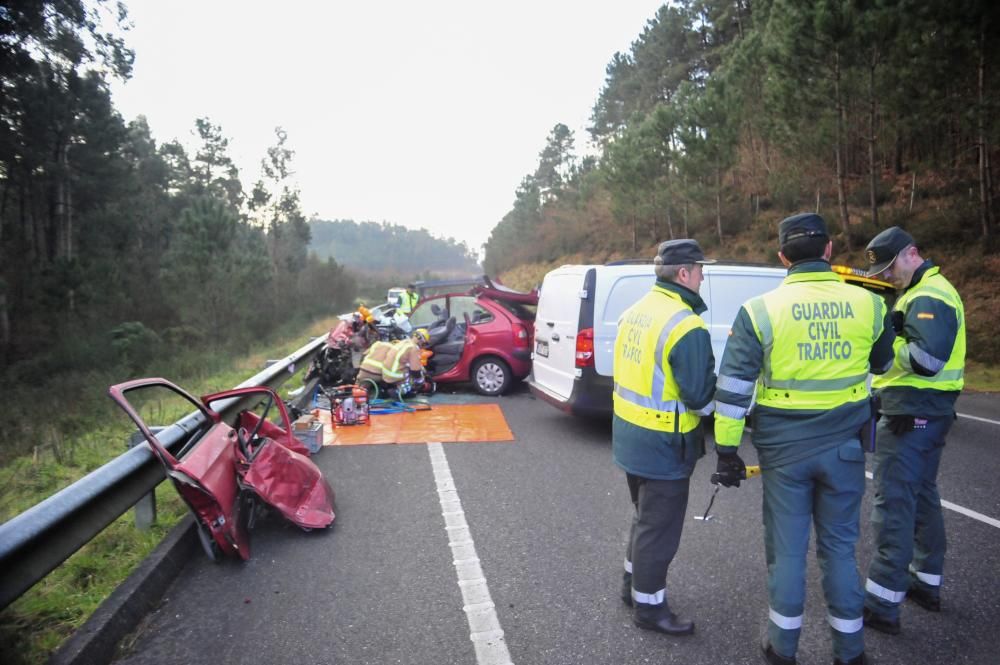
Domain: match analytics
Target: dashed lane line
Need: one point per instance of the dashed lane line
(484, 626)
(985, 519)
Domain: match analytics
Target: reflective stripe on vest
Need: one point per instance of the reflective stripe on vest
(646, 393)
(396, 355)
(827, 329)
(373, 360)
(950, 371)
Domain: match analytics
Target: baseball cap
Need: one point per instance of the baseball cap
(885, 247)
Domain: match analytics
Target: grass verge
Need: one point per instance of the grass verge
(982, 378)
(36, 624)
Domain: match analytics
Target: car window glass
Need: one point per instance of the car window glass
(523, 311)
(423, 316)
(462, 305)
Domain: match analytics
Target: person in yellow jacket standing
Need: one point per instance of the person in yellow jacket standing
(664, 374)
(805, 349)
(918, 406)
(409, 300)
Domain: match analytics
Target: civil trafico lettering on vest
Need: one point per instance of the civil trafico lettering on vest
(823, 329)
(824, 350)
(637, 324)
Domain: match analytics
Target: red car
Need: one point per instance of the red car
(483, 336)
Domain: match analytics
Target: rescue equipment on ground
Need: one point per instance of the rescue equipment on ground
(348, 405)
(228, 476)
(751, 471)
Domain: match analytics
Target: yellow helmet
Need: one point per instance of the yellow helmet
(421, 335)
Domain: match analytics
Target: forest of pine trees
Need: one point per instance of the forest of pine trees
(725, 114)
(106, 235)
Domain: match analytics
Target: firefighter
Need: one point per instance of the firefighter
(806, 349)
(918, 406)
(664, 374)
(409, 300)
(391, 362)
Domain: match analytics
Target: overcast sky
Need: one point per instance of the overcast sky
(425, 114)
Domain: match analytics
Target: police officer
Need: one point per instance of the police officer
(409, 300)
(806, 349)
(918, 405)
(664, 374)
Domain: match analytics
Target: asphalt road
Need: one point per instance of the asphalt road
(548, 515)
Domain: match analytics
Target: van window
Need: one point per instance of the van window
(625, 292)
(560, 297)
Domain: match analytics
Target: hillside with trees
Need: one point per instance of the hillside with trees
(371, 247)
(727, 115)
(114, 248)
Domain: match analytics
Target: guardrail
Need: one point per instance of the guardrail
(42, 537)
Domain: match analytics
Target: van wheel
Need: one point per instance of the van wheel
(491, 376)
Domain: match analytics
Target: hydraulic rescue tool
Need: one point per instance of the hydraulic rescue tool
(751, 471)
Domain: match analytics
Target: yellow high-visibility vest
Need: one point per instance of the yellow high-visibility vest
(409, 301)
(646, 393)
(817, 333)
(952, 375)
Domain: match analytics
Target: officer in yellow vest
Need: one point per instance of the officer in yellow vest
(664, 374)
(805, 349)
(918, 405)
(409, 300)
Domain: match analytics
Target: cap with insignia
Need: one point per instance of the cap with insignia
(885, 247)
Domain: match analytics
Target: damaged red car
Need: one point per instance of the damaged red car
(483, 336)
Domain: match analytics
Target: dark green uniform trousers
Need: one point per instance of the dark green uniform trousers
(824, 490)
(906, 515)
(655, 534)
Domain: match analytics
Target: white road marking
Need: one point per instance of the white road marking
(484, 626)
(982, 420)
(985, 519)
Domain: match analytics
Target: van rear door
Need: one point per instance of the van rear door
(554, 359)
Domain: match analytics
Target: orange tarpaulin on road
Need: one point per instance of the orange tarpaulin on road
(445, 423)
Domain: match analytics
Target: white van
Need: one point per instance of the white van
(577, 319)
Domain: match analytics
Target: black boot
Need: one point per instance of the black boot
(860, 659)
(924, 598)
(661, 619)
(770, 656)
(627, 588)
(881, 624)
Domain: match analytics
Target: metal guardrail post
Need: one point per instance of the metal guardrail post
(33, 543)
(145, 508)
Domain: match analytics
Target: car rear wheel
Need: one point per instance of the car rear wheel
(491, 376)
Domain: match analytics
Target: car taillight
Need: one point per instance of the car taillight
(585, 348)
(520, 335)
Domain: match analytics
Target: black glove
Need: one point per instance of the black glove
(899, 424)
(729, 470)
(898, 319)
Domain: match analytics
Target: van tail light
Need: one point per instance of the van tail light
(520, 336)
(585, 348)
